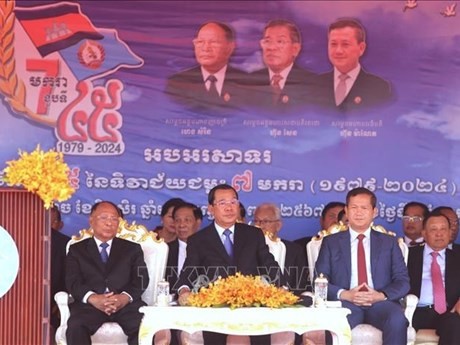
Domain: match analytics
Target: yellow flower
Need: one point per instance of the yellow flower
(43, 173)
(242, 291)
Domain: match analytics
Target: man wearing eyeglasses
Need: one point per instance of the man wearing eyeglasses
(413, 214)
(267, 217)
(106, 276)
(224, 248)
(282, 85)
(213, 84)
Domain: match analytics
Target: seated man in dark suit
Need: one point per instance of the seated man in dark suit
(366, 270)
(187, 219)
(106, 276)
(282, 85)
(349, 88)
(214, 84)
(268, 217)
(434, 272)
(224, 248)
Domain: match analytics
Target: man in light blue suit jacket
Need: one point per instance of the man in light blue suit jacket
(375, 300)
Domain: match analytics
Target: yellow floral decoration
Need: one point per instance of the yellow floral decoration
(242, 291)
(43, 173)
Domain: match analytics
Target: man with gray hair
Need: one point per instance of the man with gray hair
(213, 84)
(282, 84)
(267, 217)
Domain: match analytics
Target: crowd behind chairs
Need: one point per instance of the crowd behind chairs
(436, 230)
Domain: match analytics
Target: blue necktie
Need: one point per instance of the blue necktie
(228, 243)
(104, 254)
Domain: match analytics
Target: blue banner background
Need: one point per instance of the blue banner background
(415, 138)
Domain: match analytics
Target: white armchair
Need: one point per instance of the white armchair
(278, 250)
(155, 256)
(365, 334)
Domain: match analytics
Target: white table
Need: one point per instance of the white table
(245, 321)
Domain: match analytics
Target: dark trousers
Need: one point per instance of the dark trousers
(387, 316)
(447, 325)
(212, 338)
(85, 320)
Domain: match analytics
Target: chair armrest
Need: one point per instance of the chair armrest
(410, 303)
(62, 300)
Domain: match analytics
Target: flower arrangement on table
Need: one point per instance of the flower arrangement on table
(242, 291)
(43, 173)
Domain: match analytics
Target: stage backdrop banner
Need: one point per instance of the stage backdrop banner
(117, 87)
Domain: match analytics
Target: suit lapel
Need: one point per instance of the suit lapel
(196, 79)
(345, 249)
(93, 253)
(115, 251)
(450, 286)
(216, 242)
(375, 252)
(238, 243)
(417, 270)
(175, 254)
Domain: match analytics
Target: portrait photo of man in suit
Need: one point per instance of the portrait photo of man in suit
(282, 84)
(224, 248)
(349, 88)
(213, 84)
(434, 271)
(106, 276)
(366, 270)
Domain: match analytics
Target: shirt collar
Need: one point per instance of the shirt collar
(428, 250)
(220, 74)
(352, 75)
(354, 234)
(284, 73)
(418, 240)
(98, 242)
(221, 230)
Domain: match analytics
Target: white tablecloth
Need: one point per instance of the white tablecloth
(245, 321)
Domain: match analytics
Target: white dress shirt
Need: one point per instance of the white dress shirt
(284, 73)
(354, 257)
(352, 76)
(220, 231)
(220, 76)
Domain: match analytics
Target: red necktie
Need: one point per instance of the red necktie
(276, 87)
(439, 293)
(362, 272)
